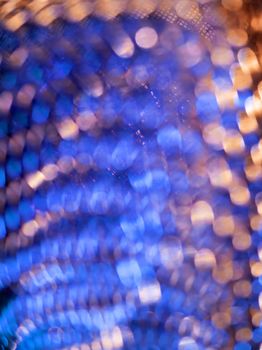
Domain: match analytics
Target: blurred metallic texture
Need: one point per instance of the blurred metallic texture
(130, 175)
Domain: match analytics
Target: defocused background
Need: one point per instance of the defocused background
(130, 174)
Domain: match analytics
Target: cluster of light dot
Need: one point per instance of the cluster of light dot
(130, 177)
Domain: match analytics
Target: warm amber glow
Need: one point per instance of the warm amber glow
(223, 273)
(222, 56)
(205, 259)
(241, 80)
(233, 143)
(241, 241)
(248, 60)
(256, 268)
(124, 46)
(50, 172)
(239, 195)
(15, 22)
(258, 201)
(142, 8)
(187, 9)
(224, 225)
(255, 222)
(201, 213)
(226, 98)
(253, 106)
(77, 10)
(247, 124)
(68, 129)
(86, 121)
(109, 8)
(257, 318)
(237, 37)
(242, 288)
(35, 180)
(243, 334)
(253, 172)
(214, 134)
(29, 228)
(256, 22)
(256, 154)
(219, 173)
(232, 5)
(221, 319)
(47, 15)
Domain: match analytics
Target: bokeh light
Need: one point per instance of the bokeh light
(130, 175)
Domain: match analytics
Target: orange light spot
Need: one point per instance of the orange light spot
(205, 259)
(239, 195)
(201, 213)
(35, 180)
(224, 225)
(68, 129)
(233, 143)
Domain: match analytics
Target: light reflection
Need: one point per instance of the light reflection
(146, 37)
(129, 175)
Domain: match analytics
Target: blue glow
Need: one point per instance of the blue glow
(35, 73)
(129, 272)
(132, 226)
(8, 80)
(169, 139)
(242, 97)
(54, 201)
(257, 335)
(61, 69)
(229, 120)
(40, 113)
(3, 128)
(153, 224)
(30, 161)
(207, 107)
(2, 228)
(2, 177)
(26, 210)
(71, 198)
(13, 168)
(192, 145)
(141, 182)
(124, 154)
(63, 106)
(110, 249)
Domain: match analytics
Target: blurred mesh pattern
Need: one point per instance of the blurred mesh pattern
(14, 14)
(130, 176)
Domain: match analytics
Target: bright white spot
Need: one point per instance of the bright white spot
(150, 293)
(129, 272)
(124, 47)
(146, 37)
(171, 253)
(112, 340)
(187, 343)
(68, 129)
(34, 180)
